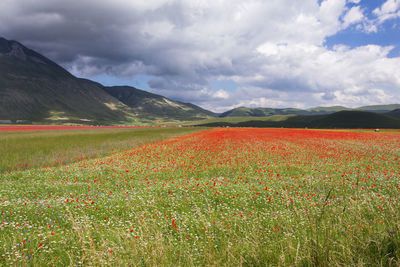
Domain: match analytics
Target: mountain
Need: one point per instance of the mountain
(34, 88)
(260, 112)
(355, 119)
(394, 113)
(154, 106)
(380, 108)
(341, 119)
(326, 110)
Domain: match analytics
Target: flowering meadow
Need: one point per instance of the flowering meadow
(27, 147)
(13, 128)
(222, 197)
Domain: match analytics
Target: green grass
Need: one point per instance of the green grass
(224, 197)
(21, 150)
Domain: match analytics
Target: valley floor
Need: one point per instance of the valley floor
(220, 197)
(32, 146)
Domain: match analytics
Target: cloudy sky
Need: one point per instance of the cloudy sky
(221, 54)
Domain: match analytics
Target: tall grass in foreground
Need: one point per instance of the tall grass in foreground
(224, 197)
(22, 150)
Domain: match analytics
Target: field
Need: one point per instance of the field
(273, 118)
(221, 197)
(25, 147)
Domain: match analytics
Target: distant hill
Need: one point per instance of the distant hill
(394, 113)
(379, 108)
(34, 88)
(355, 119)
(341, 119)
(156, 106)
(264, 112)
(239, 119)
(326, 110)
(261, 112)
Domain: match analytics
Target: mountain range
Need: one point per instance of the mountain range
(35, 89)
(340, 119)
(263, 112)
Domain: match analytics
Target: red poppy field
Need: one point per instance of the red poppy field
(224, 197)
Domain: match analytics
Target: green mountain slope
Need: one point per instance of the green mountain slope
(240, 119)
(263, 112)
(380, 108)
(341, 119)
(260, 112)
(34, 88)
(394, 113)
(156, 106)
(355, 119)
(326, 110)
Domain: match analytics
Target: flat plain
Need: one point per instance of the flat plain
(222, 197)
(25, 147)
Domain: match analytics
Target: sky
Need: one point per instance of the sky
(222, 54)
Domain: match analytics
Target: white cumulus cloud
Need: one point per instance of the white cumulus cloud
(354, 15)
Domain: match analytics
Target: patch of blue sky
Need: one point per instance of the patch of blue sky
(226, 85)
(388, 34)
(137, 81)
(368, 6)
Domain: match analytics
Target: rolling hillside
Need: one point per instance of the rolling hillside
(34, 88)
(262, 112)
(380, 108)
(325, 110)
(341, 119)
(154, 106)
(394, 113)
(355, 119)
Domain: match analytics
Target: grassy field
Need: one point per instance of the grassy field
(241, 119)
(221, 197)
(21, 150)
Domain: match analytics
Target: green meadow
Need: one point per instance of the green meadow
(32, 149)
(219, 197)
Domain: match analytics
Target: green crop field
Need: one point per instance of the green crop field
(219, 197)
(30, 149)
